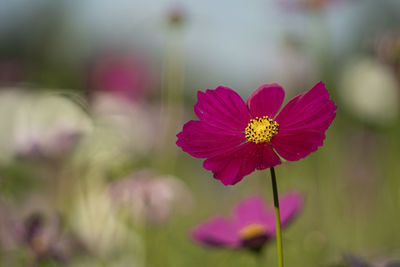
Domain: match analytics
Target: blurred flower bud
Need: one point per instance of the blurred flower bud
(176, 16)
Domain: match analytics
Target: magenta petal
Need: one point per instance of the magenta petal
(232, 166)
(298, 144)
(202, 140)
(218, 231)
(303, 122)
(268, 157)
(222, 108)
(266, 100)
(290, 205)
(251, 210)
(312, 110)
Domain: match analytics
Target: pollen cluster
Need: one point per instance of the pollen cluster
(261, 130)
(252, 231)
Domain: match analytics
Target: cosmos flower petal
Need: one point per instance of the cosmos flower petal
(290, 205)
(217, 231)
(251, 210)
(222, 108)
(295, 145)
(230, 167)
(266, 100)
(312, 110)
(202, 140)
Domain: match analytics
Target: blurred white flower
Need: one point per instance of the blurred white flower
(97, 223)
(123, 129)
(151, 197)
(369, 90)
(35, 124)
(48, 125)
(10, 99)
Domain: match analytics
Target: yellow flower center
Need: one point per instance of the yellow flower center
(252, 231)
(261, 130)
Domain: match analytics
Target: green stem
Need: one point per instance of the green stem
(279, 245)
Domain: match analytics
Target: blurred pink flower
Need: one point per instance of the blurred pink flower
(309, 5)
(11, 72)
(237, 138)
(252, 225)
(356, 261)
(121, 74)
(149, 196)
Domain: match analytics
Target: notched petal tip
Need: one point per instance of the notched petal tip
(303, 122)
(266, 100)
(222, 107)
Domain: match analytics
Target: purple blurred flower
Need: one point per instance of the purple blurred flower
(355, 261)
(43, 236)
(149, 196)
(37, 228)
(252, 224)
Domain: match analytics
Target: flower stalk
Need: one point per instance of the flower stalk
(279, 245)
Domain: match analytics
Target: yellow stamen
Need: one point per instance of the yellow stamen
(261, 130)
(251, 231)
(39, 245)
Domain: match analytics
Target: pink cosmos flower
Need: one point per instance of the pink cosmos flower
(252, 224)
(237, 138)
(120, 74)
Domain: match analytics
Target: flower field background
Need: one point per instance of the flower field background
(93, 95)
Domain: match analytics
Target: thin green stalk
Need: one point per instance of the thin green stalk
(279, 245)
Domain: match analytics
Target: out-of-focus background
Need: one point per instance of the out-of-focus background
(93, 93)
